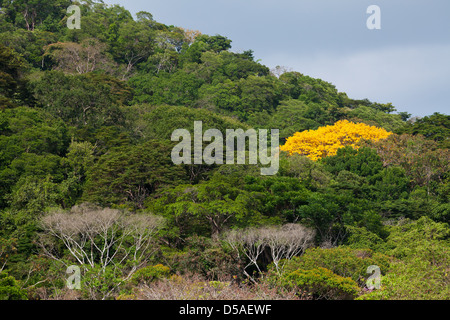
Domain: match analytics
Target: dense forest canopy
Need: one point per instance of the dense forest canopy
(86, 178)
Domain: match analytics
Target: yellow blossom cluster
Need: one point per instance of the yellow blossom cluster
(325, 141)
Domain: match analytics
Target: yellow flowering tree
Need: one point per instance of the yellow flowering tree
(325, 141)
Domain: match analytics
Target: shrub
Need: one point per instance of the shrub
(321, 283)
(422, 269)
(150, 273)
(343, 261)
(413, 280)
(10, 289)
(100, 284)
(360, 237)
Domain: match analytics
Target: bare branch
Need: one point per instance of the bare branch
(101, 236)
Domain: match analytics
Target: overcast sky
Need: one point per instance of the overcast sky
(406, 62)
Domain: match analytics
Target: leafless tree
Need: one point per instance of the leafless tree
(279, 70)
(250, 243)
(87, 56)
(283, 242)
(100, 236)
(286, 241)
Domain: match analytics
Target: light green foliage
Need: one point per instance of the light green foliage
(360, 237)
(205, 43)
(421, 270)
(424, 233)
(150, 273)
(80, 157)
(100, 21)
(100, 283)
(321, 283)
(343, 261)
(390, 122)
(10, 289)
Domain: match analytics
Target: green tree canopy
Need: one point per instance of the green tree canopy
(129, 174)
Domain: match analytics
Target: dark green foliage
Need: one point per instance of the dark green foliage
(29, 44)
(129, 174)
(37, 14)
(82, 100)
(13, 86)
(281, 197)
(205, 256)
(390, 184)
(364, 161)
(32, 143)
(435, 127)
(312, 174)
(207, 208)
(32, 131)
(180, 88)
(160, 122)
(294, 116)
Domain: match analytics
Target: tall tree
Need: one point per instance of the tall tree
(82, 100)
(130, 174)
(13, 86)
(33, 13)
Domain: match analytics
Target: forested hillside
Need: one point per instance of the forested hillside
(87, 180)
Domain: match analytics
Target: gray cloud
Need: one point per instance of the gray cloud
(411, 77)
(407, 59)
